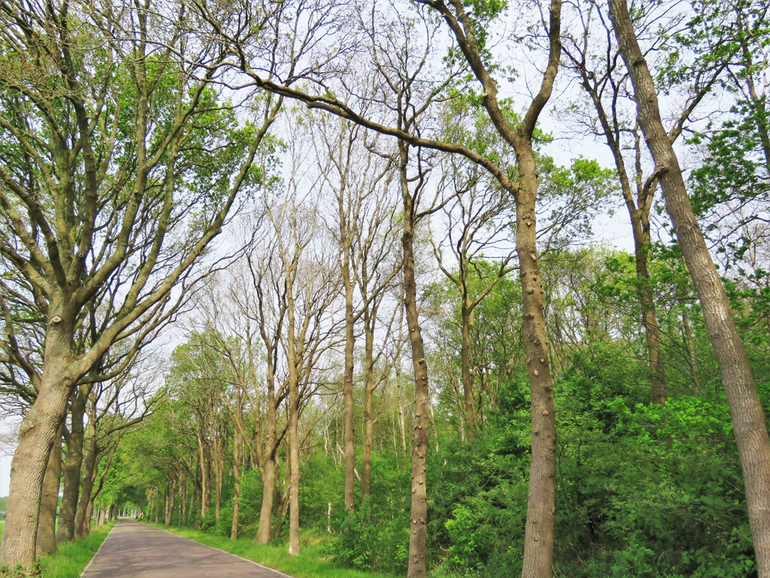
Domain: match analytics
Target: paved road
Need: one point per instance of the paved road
(135, 550)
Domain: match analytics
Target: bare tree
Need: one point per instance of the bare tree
(357, 181)
(478, 218)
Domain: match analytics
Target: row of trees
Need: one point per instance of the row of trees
(132, 133)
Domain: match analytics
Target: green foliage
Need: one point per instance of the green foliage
(632, 476)
(373, 538)
(476, 517)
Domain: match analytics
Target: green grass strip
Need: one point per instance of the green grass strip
(309, 564)
(72, 557)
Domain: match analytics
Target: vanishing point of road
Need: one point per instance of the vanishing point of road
(136, 550)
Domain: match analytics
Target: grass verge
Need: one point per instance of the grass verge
(311, 563)
(73, 557)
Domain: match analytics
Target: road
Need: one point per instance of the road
(136, 550)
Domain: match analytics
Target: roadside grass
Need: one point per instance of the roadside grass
(311, 563)
(73, 557)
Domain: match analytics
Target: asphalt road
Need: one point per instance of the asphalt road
(135, 550)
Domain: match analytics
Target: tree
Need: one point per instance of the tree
(358, 182)
(476, 220)
(105, 108)
(746, 411)
(593, 58)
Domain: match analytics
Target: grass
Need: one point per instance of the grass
(311, 563)
(73, 557)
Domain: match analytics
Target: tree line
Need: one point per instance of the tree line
(410, 189)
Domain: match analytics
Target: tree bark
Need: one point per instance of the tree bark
(236, 482)
(466, 313)
(82, 522)
(36, 438)
(418, 567)
(366, 473)
(219, 465)
(72, 467)
(539, 531)
(748, 418)
(205, 469)
(293, 426)
(642, 245)
(268, 499)
(348, 410)
(46, 529)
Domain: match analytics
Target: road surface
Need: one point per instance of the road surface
(136, 550)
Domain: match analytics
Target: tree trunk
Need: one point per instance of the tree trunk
(46, 529)
(746, 411)
(418, 567)
(36, 438)
(219, 465)
(641, 228)
(268, 498)
(689, 345)
(539, 531)
(89, 517)
(185, 492)
(236, 483)
(465, 361)
(366, 474)
(347, 392)
(170, 497)
(71, 470)
(82, 522)
(205, 463)
(293, 426)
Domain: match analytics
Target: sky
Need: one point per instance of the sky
(5, 475)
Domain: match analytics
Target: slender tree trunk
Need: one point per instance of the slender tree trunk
(466, 314)
(219, 464)
(689, 345)
(418, 567)
(82, 522)
(366, 474)
(292, 434)
(185, 492)
(747, 415)
(293, 463)
(205, 463)
(71, 470)
(170, 497)
(236, 483)
(641, 227)
(46, 529)
(349, 424)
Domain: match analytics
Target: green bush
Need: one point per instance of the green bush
(373, 539)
